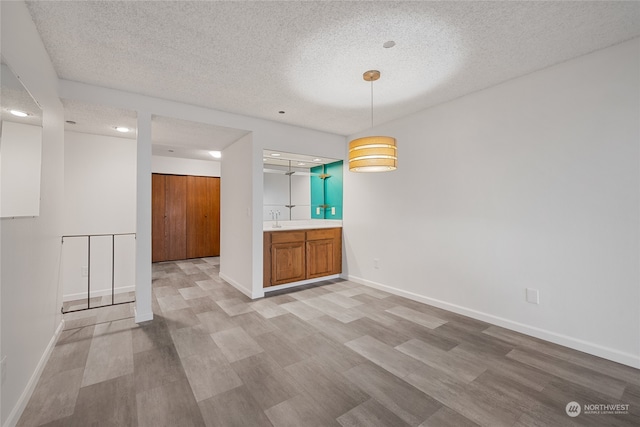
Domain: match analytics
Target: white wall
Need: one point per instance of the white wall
(100, 198)
(236, 224)
(178, 166)
(30, 247)
(143, 309)
(21, 149)
(75, 259)
(100, 184)
(530, 184)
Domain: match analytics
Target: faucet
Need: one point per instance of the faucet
(274, 216)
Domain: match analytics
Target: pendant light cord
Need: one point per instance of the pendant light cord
(372, 103)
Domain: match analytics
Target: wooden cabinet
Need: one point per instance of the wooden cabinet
(291, 256)
(185, 217)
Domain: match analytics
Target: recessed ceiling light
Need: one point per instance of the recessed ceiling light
(122, 129)
(18, 113)
(275, 154)
(215, 154)
(389, 44)
(264, 160)
(317, 160)
(71, 122)
(301, 164)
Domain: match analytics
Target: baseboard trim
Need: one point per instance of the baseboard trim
(301, 283)
(17, 410)
(564, 340)
(238, 286)
(142, 317)
(100, 293)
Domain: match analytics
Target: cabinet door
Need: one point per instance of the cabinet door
(176, 217)
(321, 256)
(287, 262)
(324, 252)
(158, 218)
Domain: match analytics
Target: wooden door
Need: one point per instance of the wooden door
(176, 217)
(185, 217)
(158, 217)
(196, 213)
(287, 262)
(320, 258)
(203, 216)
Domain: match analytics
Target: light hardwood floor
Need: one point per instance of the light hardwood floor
(334, 354)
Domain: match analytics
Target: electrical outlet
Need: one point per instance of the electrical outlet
(376, 263)
(317, 211)
(533, 296)
(3, 370)
(333, 210)
(85, 271)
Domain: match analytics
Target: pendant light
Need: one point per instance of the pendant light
(373, 153)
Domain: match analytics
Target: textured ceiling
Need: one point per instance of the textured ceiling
(97, 119)
(293, 160)
(170, 137)
(181, 138)
(307, 58)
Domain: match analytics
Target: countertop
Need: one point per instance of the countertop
(303, 224)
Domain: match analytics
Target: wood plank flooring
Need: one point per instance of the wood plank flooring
(335, 354)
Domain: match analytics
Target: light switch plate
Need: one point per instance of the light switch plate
(533, 296)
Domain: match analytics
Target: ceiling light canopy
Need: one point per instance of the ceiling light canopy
(122, 129)
(373, 153)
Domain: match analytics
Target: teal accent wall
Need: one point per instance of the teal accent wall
(326, 191)
(333, 190)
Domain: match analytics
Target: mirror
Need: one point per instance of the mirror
(20, 148)
(301, 187)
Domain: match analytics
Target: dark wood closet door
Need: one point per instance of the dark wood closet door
(185, 217)
(176, 221)
(203, 216)
(196, 216)
(158, 217)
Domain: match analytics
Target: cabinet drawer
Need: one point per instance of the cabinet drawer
(287, 236)
(323, 233)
